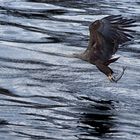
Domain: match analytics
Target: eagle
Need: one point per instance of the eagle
(106, 35)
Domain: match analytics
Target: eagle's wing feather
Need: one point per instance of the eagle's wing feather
(114, 28)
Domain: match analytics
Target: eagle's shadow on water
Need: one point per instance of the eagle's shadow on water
(97, 119)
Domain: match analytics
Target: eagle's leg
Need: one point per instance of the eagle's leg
(108, 71)
(105, 69)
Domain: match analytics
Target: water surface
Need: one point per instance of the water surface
(45, 95)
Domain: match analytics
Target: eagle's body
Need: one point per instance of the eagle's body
(105, 37)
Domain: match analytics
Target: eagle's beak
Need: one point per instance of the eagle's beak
(116, 79)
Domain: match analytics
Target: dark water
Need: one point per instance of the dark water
(47, 96)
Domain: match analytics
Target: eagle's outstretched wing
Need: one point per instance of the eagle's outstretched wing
(105, 37)
(114, 28)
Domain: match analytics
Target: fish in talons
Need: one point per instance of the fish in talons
(114, 78)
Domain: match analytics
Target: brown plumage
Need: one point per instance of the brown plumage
(105, 37)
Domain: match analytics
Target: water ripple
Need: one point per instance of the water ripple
(47, 95)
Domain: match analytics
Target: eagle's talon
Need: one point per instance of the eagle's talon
(112, 78)
(116, 79)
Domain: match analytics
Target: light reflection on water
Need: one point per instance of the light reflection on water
(48, 96)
